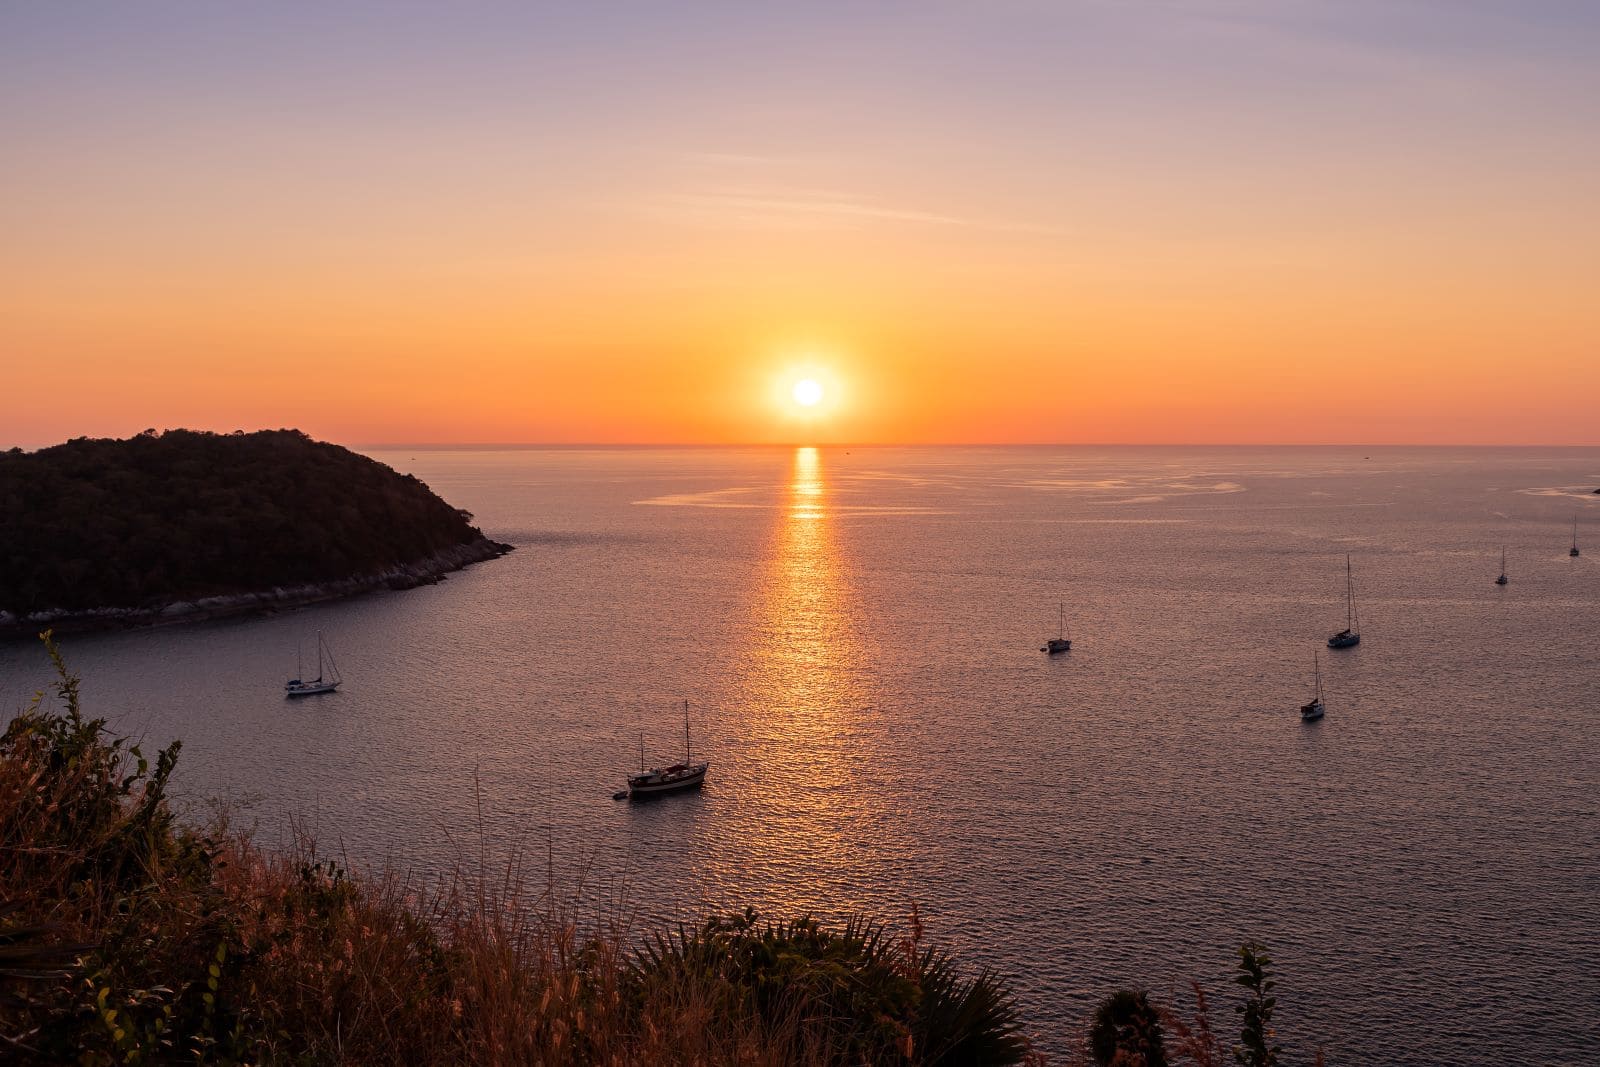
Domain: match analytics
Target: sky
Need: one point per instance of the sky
(1173, 221)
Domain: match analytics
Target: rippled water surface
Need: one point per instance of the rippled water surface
(858, 631)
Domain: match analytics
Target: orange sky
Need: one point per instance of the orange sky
(976, 223)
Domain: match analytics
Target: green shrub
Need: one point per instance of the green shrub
(1127, 1032)
(102, 882)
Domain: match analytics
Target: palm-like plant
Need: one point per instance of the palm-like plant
(852, 991)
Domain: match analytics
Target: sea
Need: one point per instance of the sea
(857, 633)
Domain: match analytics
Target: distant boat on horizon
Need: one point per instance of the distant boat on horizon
(679, 776)
(1502, 579)
(324, 682)
(1350, 636)
(1574, 550)
(1061, 642)
(1314, 709)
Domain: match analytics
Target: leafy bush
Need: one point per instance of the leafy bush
(91, 856)
(1127, 1032)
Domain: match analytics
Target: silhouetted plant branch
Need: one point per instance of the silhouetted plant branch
(1255, 1047)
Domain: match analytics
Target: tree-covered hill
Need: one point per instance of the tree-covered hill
(162, 518)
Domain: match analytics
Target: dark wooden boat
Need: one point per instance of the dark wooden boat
(673, 779)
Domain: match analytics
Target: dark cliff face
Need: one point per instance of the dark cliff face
(180, 515)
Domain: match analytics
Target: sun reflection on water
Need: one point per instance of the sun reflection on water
(806, 686)
(806, 496)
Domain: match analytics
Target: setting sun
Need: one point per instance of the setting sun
(807, 392)
(808, 400)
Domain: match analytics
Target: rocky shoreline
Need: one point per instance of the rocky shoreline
(426, 571)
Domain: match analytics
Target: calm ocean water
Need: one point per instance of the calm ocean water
(857, 632)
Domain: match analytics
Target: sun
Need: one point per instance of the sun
(807, 392)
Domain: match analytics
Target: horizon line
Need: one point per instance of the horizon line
(575, 445)
(485, 446)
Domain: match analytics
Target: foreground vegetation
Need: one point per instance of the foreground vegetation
(128, 937)
(160, 518)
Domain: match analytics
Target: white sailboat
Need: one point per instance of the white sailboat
(1350, 636)
(1061, 642)
(1310, 712)
(327, 679)
(1502, 579)
(679, 776)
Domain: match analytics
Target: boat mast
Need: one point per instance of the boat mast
(1355, 615)
(1316, 667)
(685, 733)
(319, 655)
(331, 661)
(1349, 597)
(1061, 620)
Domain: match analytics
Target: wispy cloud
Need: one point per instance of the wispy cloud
(731, 189)
(790, 209)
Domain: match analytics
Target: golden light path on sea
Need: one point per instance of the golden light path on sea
(804, 682)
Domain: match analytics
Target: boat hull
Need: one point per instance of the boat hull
(1312, 712)
(1344, 640)
(1055, 645)
(307, 689)
(652, 785)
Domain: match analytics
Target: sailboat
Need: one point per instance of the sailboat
(1061, 642)
(685, 775)
(327, 679)
(1350, 636)
(1574, 549)
(1314, 710)
(1502, 579)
